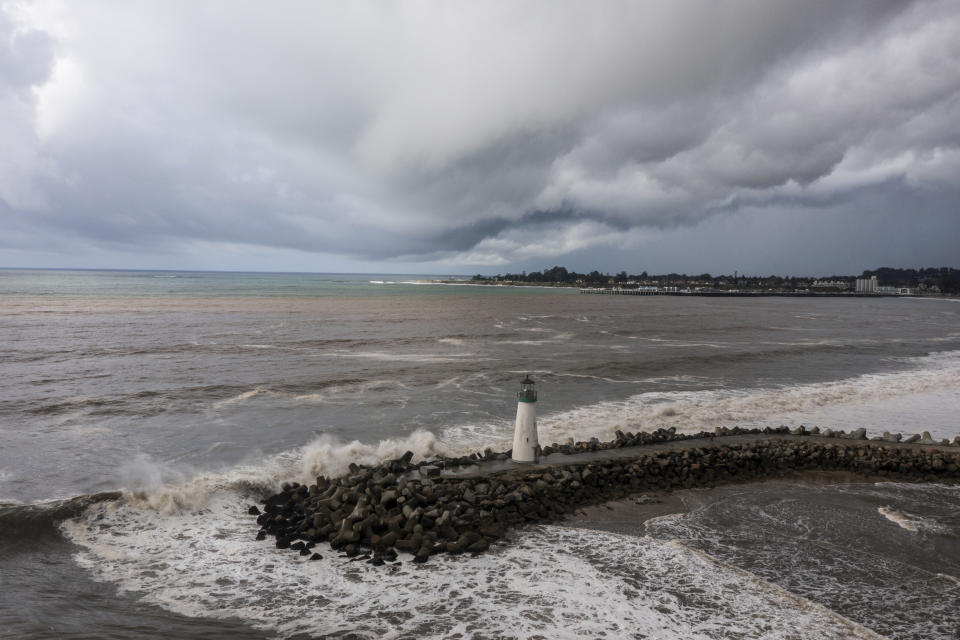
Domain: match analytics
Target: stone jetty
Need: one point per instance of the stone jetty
(463, 505)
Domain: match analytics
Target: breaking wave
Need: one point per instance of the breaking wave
(910, 522)
(549, 582)
(24, 522)
(166, 490)
(703, 410)
(693, 411)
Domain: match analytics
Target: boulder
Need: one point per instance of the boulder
(467, 538)
(422, 554)
(388, 539)
(278, 501)
(479, 546)
(453, 547)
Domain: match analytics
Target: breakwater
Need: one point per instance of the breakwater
(457, 505)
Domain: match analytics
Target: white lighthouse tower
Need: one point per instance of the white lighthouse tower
(526, 448)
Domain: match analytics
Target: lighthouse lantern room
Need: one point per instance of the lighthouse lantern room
(526, 447)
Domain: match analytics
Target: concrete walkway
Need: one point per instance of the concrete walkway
(488, 467)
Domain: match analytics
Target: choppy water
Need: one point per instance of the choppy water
(188, 389)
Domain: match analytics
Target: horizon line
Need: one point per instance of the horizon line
(313, 273)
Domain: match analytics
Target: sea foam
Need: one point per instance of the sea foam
(910, 522)
(169, 489)
(550, 581)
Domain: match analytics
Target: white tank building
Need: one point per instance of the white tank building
(867, 285)
(526, 447)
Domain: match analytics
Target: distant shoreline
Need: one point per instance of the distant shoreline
(714, 293)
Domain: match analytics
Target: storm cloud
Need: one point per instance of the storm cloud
(479, 135)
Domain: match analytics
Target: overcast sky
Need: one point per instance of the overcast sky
(461, 137)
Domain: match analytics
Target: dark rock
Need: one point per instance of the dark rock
(491, 530)
(388, 539)
(479, 546)
(277, 501)
(453, 547)
(422, 554)
(467, 538)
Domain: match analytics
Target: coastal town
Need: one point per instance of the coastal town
(884, 281)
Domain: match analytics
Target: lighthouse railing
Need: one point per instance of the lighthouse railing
(527, 395)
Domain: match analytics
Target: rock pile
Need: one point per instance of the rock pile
(400, 506)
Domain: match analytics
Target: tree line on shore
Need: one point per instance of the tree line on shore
(944, 279)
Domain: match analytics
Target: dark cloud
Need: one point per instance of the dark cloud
(473, 134)
(26, 56)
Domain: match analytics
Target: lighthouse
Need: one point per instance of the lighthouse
(526, 448)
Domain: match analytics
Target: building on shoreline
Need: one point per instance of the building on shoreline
(839, 285)
(897, 291)
(867, 285)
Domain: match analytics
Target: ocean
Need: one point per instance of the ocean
(193, 392)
